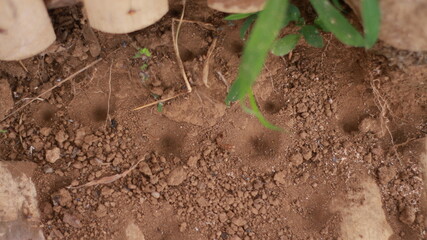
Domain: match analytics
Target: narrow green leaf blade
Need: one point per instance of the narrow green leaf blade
(238, 16)
(247, 24)
(371, 17)
(337, 23)
(257, 113)
(264, 33)
(312, 36)
(285, 45)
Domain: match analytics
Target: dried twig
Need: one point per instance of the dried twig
(50, 89)
(222, 78)
(159, 101)
(23, 66)
(175, 35)
(108, 179)
(109, 97)
(205, 74)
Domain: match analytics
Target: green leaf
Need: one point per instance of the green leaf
(293, 15)
(246, 25)
(3, 131)
(371, 17)
(337, 4)
(285, 45)
(261, 39)
(312, 36)
(142, 52)
(143, 67)
(160, 106)
(337, 23)
(319, 24)
(257, 113)
(238, 16)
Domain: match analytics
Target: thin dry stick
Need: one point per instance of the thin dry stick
(205, 74)
(108, 179)
(202, 24)
(23, 66)
(50, 89)
(175, 36)
(109, 97)
(159, 101)
(222, 78)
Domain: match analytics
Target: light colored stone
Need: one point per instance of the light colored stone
(6, 100)
(402, 23)
(176, 176)
(53, 155)
(134, 233)
(362, 213)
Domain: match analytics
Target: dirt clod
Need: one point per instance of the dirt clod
(297, 159)
(62, 198)
(176, 176)
(53, 155)
(386, 174)
(408, 215)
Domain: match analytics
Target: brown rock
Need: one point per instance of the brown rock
(297, 159)
(371, 125)
(408, 215)
(61, 137)
(385, 174)
(62, 198)
(176, 176)
(80, 134)
(279, 177)
(45, 131)
(145, 169)
(53, 155)
(192, 161)
(238, 221)
(6, 100)
(101, 211)
(72, 220)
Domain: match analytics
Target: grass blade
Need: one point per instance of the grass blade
(257, 113)
(337, 23)
(238, 16)
(312, 36)
(259, 43)
(371, 17)
(285, 45)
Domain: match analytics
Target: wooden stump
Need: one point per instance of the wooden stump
(237, 6)
(25, 29)
(124, 16)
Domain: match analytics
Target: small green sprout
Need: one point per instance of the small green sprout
(160, 106)
(142, 52)
(3, 131)
(143, 67)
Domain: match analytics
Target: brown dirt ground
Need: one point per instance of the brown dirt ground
(208, 171)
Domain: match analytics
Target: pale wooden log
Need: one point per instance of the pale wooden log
(60, 3)
(124, 16)
(237, 6)
(25, 29)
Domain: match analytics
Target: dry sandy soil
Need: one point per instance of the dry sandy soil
(348, 167)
